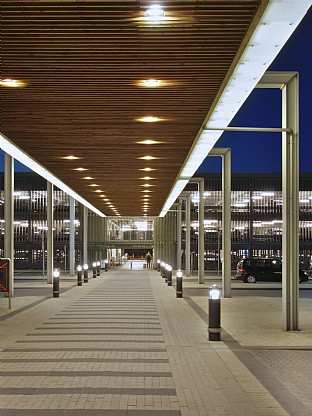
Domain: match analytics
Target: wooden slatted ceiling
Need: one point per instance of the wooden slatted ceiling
(81, 61)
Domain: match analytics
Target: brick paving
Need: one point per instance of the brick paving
(123, 344)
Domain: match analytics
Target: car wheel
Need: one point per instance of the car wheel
(251, 279)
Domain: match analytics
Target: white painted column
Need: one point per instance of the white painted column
(72, 236)
(85, 235)
(179, 249)
(290, 213)
(50, 250)
(9, 215)
(201, 232)
(188, 235)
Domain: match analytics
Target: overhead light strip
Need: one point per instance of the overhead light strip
(9, 147)
(276, 25)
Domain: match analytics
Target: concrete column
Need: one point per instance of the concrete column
(9, 215)
(290, 213)
(85, 235)
(50, 251)
(72, 237)
(201, 232)
(188, 235)
(179, 243)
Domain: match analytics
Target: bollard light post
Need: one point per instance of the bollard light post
(179, 288)
(98, 268)
(56, 283)
(166, 272)
(94, 270)
(158, 265)
(162, 269)
(79, 275)
(169, 277)
(85, 273)
(214, 311)
(106, 265)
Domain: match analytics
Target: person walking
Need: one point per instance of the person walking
(148, 259)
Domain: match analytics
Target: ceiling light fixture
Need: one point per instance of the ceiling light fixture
(146, 178)
(12, 83)
(147, 157)
(147, 141)
(149, 119)
(147, 169)
(88, 177)
(80, 169)
(150, 83)
(71, 157)
(93, 184)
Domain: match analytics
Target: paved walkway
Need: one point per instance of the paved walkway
(123, 344)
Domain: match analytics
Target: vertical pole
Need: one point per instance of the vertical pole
(179, 249)
(72, 237)
(85, 235)
(50, 232)
(188, 236)
(9, 217)
(201, 232)
(290, 213)
(226, 224)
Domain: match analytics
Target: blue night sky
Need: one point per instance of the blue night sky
(259, 152)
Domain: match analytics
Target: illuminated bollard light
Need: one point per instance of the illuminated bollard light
(98, 268)
(166, 272)
(158, 265)
(85, 273)
(79, 275)
(106, 265)
(94, 270)
(214, 311)
(56, 284)
(162, 269)
(169, 277)
(179, 293)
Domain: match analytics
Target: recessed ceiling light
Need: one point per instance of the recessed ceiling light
(71, 157)
(99, 191)
(146, 190)
(13, 83)
(147, 178)
(88, 177)
(149, 119)
(147, 185)
(150, 83)
(155, 12)
(80, 169)
(147, 157)
(147, 169)
(147, 141)
(93, 184)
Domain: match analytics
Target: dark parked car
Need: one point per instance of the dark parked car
(269, 270)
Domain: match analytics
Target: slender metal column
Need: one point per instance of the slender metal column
(179, 248)
(49, 232)
(85, 235)
(188, 236)
(9, 215)
(72, 237)
(290, 213)
(201, 232)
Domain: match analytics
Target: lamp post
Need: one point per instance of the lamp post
(169, 277)
(85, 273)
(214, 311)
(79, 275)
(158, 265)
(162, 269)
(94, 270)
(56, 283)
(98, 268)
(179, 290)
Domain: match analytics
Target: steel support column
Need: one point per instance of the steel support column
(72, 237)
(290, 212)
(201, 233)
(49, 232)
(188, 235)
(9, 215)
(85, 235)
(179, 248)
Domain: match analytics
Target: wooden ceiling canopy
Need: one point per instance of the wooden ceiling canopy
(82, 62)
